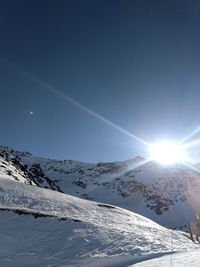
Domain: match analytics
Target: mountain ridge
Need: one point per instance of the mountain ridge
(157, 192)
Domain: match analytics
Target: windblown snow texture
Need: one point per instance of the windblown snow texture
(42, 225)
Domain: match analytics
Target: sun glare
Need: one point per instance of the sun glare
(167, 153)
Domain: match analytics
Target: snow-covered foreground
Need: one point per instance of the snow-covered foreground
(185, 259)
(69, 231)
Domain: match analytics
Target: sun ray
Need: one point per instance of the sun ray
(191, 166)
(130, 167)
(77, 104)
(191, 144)
(188, 137)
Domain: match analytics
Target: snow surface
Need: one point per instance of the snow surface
(175, 260)
(163, 194)
(54, 227)
(79, 233)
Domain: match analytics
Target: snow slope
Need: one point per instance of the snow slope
(166, 195)
(48, 228)
(184, 259)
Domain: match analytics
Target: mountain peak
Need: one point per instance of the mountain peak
(148, 188)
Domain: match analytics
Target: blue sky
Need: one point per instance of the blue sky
(135, 63)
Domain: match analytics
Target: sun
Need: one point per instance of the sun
(167, 153)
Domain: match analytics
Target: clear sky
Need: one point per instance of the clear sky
(134, 63)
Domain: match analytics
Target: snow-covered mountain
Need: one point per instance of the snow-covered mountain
(165, 194)
(51, 226)
(41, 227)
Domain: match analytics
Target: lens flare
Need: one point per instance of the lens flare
(82, 107)
(167, 153)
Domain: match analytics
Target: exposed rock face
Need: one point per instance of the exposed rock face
(150, 189)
